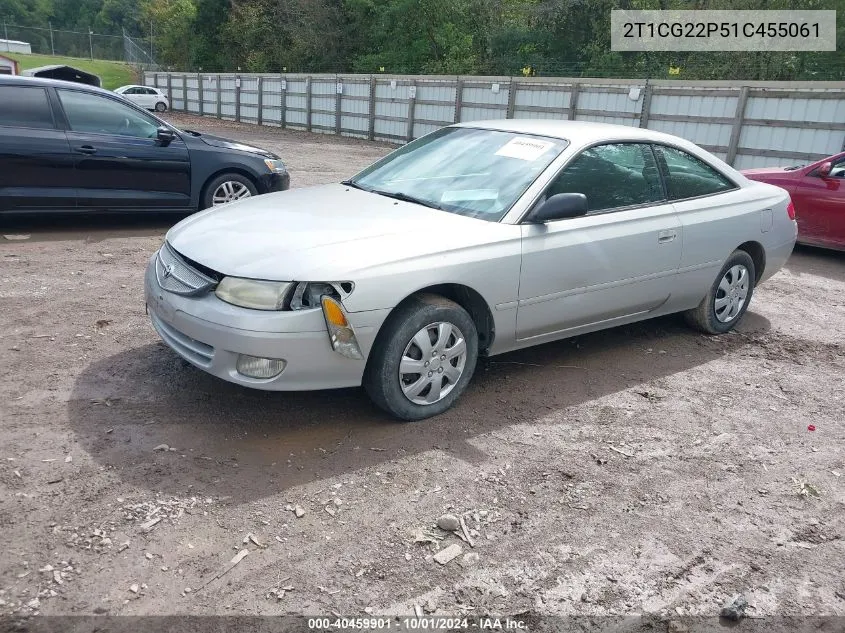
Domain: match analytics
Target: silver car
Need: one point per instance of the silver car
(478, 239)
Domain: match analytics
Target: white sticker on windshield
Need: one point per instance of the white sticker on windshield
(525, 148)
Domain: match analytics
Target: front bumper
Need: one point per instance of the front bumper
(211, 334)
(268, 183)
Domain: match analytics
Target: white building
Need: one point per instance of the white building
(14, 46)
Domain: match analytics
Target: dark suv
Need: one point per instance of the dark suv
(69, 147)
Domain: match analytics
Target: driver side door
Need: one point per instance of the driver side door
(119, 162)
(820, 206)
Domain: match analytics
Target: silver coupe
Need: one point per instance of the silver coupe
(477, 239)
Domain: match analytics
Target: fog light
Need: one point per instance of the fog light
(255, 367)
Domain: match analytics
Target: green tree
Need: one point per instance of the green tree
(173, 22)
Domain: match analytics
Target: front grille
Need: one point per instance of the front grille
(175, 275)
(195, 351)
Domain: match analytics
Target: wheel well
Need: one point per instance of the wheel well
(758, 255)
(473, 303)
(226, 170)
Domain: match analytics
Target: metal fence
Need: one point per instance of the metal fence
(753, 124)
(57, 42)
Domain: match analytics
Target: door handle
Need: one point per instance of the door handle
(86, 149)
(666, 236)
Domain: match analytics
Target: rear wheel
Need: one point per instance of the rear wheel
(161, 106)
(227, 188)
(728, 298)
(424, 358)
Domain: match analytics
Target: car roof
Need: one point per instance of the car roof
(20, 80)
(576, 132)
(581, 134)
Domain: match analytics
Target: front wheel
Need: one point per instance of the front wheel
(728, 298)
(424, 358)
(227, 188)
(161, 106)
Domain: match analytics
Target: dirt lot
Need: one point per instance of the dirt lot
(647, 469)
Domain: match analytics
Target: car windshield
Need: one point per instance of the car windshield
(468, 171)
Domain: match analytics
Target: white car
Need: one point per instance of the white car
(477, 239)
(146, 97)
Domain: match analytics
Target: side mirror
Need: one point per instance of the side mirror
(165, 136)
(824, 169)
(558, 207)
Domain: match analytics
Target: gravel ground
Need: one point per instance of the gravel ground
(646, 469)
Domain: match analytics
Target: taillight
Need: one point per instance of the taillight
(790, 210)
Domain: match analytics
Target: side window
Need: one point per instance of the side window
(612, 176)
(838, 169)
(25, 106)
(688, 177)
(100, 115)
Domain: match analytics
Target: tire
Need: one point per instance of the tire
(728, 297)
(420, 314)
(161, 106)
(239, 185)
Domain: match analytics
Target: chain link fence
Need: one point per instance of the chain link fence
(58, 42)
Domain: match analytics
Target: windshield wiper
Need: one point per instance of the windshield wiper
(349, 183)
(404, 197)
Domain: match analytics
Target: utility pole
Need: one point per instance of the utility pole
(6, 31)
(151, 42)
(52, 48)
(91, 42)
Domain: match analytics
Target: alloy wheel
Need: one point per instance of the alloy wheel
(230, 191)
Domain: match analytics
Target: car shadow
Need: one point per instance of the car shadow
(229, 441)
(812, 260)
(90, 227)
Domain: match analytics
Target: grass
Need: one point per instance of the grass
(112, 74)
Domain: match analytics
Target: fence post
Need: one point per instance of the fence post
(283, 89)
(337, 103)
(412, 100)
(459, 96)
(219, 99)
(308, 103)
(260, 100)
(644, 113)
(201, 104)
(170, 89)
(733, 144)
(512, 88)
(238, 98)
(573, 102)
(371, 132)
(185, 93)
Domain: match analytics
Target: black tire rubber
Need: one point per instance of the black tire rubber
(703, 317)
(381, 378)
(161, 106)
(211, 186)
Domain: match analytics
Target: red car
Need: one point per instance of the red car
(818, 193)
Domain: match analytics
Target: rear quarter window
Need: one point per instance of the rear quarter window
(689, 177)
(25, 106)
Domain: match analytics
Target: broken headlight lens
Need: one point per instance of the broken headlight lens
(249, 293)
(307, 294)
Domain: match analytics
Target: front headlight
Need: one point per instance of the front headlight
(275, 165)
(249, 293)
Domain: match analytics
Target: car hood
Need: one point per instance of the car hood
(218, 141)
(769, 171)
(324, 233)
